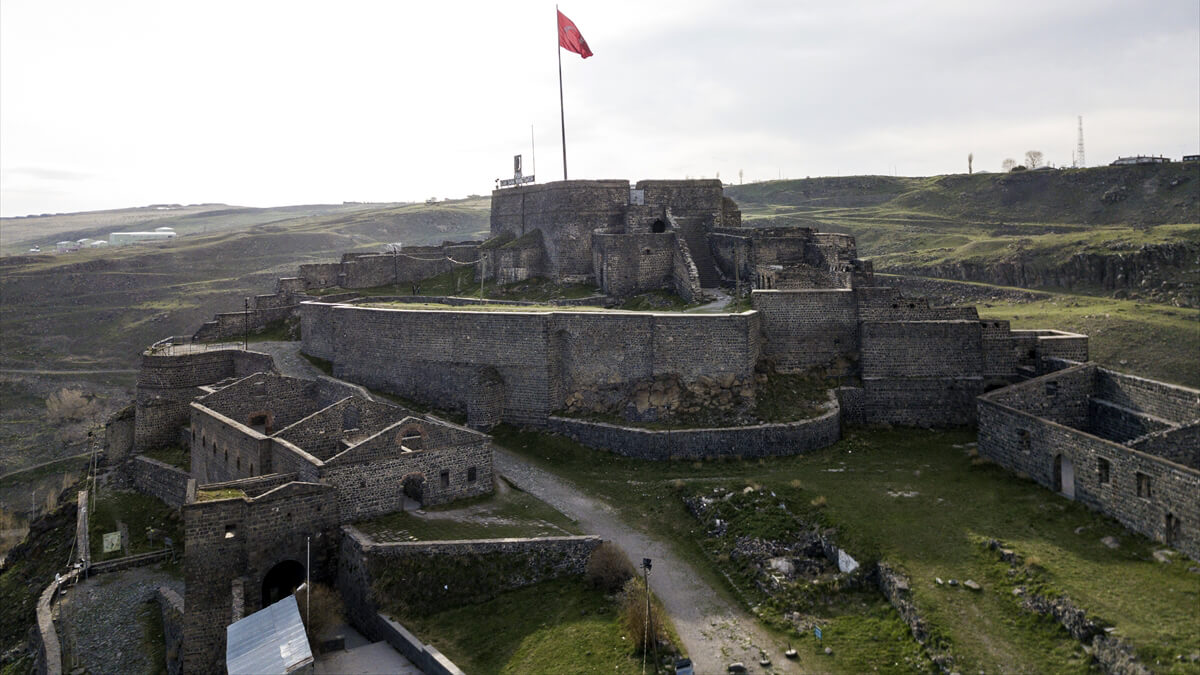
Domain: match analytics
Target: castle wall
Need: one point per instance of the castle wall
(234, 543)
(224, 449)
(697, 206)
(628, 264)
(921, 349)
(763, 440)
(376, 488)
(158, 479)
(1167, 402)
(685, 278)
(168, 381)
(540, 357)
(370, 572)
(1136, 488)
(806, 329)
(566, 212)
(283, 400)
(1180, 445)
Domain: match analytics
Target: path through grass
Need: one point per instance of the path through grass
(919, 500)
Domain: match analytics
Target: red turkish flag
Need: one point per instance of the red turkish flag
(569, 37)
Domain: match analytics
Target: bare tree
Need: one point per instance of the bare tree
(970, 159)
(1008, 164)
(1033, 158)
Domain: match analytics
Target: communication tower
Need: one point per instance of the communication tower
(1079, 161)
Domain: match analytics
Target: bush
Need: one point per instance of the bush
(609, 568)
(633, 615)
(325, 611)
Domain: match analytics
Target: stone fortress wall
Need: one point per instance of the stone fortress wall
(1123, 445)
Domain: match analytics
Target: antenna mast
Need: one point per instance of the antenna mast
(1079, 161)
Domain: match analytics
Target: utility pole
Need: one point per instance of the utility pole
(651, 636)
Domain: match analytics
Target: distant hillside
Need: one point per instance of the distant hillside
(1132, 195)
(1131, 231)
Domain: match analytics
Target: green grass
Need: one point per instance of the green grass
(175, 455)
(1154, 341)
(223, 493)
(930, 534)
(790, 398)
(508, 512)
(657, 301)
(320, 364)
(552, 627)
(139, 513)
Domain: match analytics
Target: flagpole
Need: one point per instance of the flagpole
(561, 115)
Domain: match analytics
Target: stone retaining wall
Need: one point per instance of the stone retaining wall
(158, 479)
(171, 606)
(762, 440)
(426, 574)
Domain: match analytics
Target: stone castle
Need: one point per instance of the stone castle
(278, 464)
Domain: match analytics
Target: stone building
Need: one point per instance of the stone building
(278, 465)
(1122, 445)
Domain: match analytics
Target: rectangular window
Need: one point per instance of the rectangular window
(230, 531)
(1143, 485)
(445, 479)
(471, 475)
(1104, 469)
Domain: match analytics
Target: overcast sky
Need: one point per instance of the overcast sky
(113, 104)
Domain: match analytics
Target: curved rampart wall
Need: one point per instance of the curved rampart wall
(438, 357)
(763, 440)
(169, 380)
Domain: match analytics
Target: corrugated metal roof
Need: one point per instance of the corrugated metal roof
(271, 640)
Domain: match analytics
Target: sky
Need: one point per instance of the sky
(262, 103)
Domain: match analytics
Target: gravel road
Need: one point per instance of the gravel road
(715, 631)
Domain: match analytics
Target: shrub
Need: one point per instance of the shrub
(608, 569)
(633, 615)
(325, 611)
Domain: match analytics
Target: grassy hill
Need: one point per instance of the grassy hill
(79, 320)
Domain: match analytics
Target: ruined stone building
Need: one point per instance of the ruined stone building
(1122, 445)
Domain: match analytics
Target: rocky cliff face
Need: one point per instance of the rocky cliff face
(1166, 273)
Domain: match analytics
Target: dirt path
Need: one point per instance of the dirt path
(715, 632)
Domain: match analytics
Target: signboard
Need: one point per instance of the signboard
(518, 178)
(817, 631)
(112, 542)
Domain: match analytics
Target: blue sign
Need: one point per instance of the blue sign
(817, 631)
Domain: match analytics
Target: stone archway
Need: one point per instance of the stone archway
(281, 581)
(413, 485)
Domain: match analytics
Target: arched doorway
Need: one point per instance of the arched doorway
(281, 581)
(1064, 476)
(413, 486)
(658, 226)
